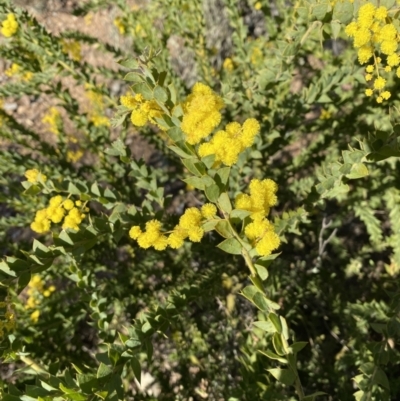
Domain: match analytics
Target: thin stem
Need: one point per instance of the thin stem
(245, 253)
(32, 364)
(298, 386)
(304, 37)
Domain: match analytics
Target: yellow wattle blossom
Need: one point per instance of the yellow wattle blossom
(262, 197)
(99, 121)
(201, 113)
(260, 231)
(33, 176)
(208, 210)
(227, 144)
(9, 26)
(27, 76)
(379, 83)
(262, 234)
(325, 115)
(53, 119)
(73, 219)
(35, 316)
(74, 155)
(35, 291)
(374, 32)
(189, 227)
(58, 210)
(73, 48)
(143, 110)
(228, 65)
(13, 70)
(120, 25)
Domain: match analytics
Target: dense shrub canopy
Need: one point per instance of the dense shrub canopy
(199, 200)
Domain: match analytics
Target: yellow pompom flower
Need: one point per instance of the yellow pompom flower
(379, 83)
(208, 210)
(388, 47)
(139, 118)
(362, 37)
(379, 99)
(370, 68)
(393, 60)
(9, 26)
(351, 29)
(368, 77)
(228, 64)
(13, 70)
(268, 243)
(366, 15)
(120, 25)
(129, 101)
(386, 95)
(56, 201)
(40, 225)
(262, 197)
(201, 113)
(381, 13)
(35, 316)
(68, 204)
(56, 214)
(364, 54)
(191, 218)
(369, 92)
(257, 228)
(388, 32)
(34, 175)
(134, 232)
(195, 234)
(176, 239)
(160, 243)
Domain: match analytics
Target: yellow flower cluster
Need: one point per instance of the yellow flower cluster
(58, 210)
(9, 26)
(374, 32)
(53, 119)
(35, 291)
(73, 48)
(33, 176)
(189, 227)
(201, 113)
(228, 65)
(120, 25)
(7, 320)
(227, 144)
(13, 70)
(99, 120)
(96, 108)
(74, 155)
(261, 231)
(262, 197)
(142, 110)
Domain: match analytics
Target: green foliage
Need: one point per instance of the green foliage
(89, 314)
